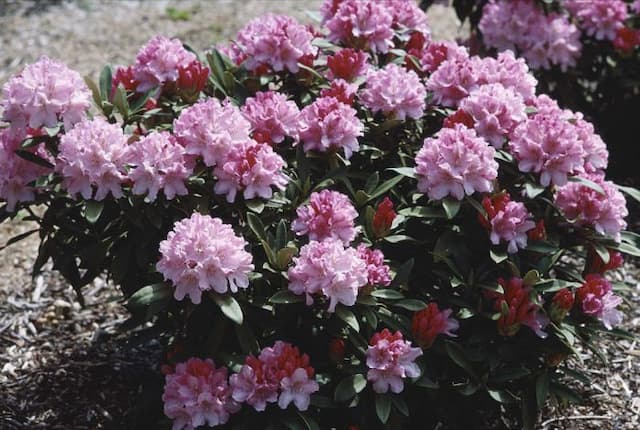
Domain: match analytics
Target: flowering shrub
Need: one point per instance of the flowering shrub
(331, 226)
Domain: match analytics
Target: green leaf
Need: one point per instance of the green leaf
(105, 83)
(383, 407)
(451, 207)
(630, 191)
(533, 190)
(95, 92)
(542, 388)
(255, 205)
(349, 387)
(308, 422)
(246, 339)
(284, 297)
(409, 172)
(229, 307)
(529, 410)
(93, 210)
(397, 238)
(34, 158)
(372, 182)
(498, 255)
(426, 382)
(348, 317)
(18, 238)
(386, 187)
(457, 354)
(501, 396)
(509, 374)
(411, 304)
(423, 212)
(255, 223)
(587, 183)
(400, 404)
(403, 274)
(120, 102)
(387, 294)
(150, 294)
(541, 247)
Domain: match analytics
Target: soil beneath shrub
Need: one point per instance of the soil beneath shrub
(63, 366)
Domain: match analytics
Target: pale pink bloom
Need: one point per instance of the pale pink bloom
(251, 168)
(255, 390)
(159, 61)
(452, 81)
(278, 41)
(407, 15)
(44, 93)
(378, 273)
(586, 206)
(454, 163)
(198, 394)
(390, 360)
(210, 129)
(16, 173)
(394, 91)
(200, 254)
(496, 111)
(297, 388)
(272, 116)
(635, 7)
(159, 163)
(329, 214)
(93, 154)
(328, 124)
(507, 70)
(329, 269)
(595, 150)
(511, 224)
(599, 18)
(563, 42)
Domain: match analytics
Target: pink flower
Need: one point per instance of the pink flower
(428, 323)
(201, 254)
(507, 70)
(93, 154)
(452, 81)
(210, 129)
(563, 42)
(16, 173)
(635, 6)
(277, 41)
(378, 273)
(595, 150)
(599, 18)
(596, 299)
(496, 111)
(454, 163)
(252, 168)
(517, 308)
(548, 144)
(586, 206)
(159, 62)
(363, 24)
(159, 163)
(198, 394)
(394, 91)
(407, 15)
(508, 221)
(341, 90)
(329, 269)
(44, 93)
(391, 359)
(272, 116)
(435, 53)
(347, 64)
(327, 124)
(329, 214)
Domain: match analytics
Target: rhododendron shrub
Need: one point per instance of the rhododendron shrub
(328, 226)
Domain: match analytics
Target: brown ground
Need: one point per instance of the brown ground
(66, 367)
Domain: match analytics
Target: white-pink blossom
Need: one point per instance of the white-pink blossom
(329, 214)
(390, 360)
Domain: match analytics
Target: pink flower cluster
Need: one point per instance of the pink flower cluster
(507, 221)
(201, 254)
(198, 394)
(159, 62)
(329, 214)
(394, 91)
(159, 163)
(390, 360)
(454, 163)
(328, 268)
(252, 168)
(517, 308)
(280, 373)
(276, 41)
(378, 273)
(428, 323)
(16, 173)
(523, 25)
(328, 124)
(496, 111)
(604, 211)
(272, 116)
(209, 129)
(599, 18)
(93, 154)
(44, 93)
(596, 299)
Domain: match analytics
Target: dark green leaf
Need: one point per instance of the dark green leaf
(150, 294)
(423, 212)
(427, 382)
(397, 238)
(286, 297)
(409, 172)
(348, 317)
(34, 158)
(403, 274)
(386, 187)
(93, 210)
(349, 387)
(121, 103)
(411, 304)
(498, 255)
(18, 238)
(542, 388)
(105, 83)
(387, 294)
(383, 407)
(587, 183)
(229, 307)
(255, 223)
(255, 205)
(502, 396)
(631, 192)
(457, 354)
(246, 339)
(451, 207)
(95, 92)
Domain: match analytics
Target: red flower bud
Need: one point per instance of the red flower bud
(336, 350)
(383, 218)
(192, 79)
(595, 264)
(492, 205)
(458, 117)
(626, 39)
(539, 232)
(561, 304)
(124, 77)
(347, 64)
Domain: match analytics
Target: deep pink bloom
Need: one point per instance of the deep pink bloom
(44, 93)
(391, 359)
(595, 298)
(328, 124)
(347, 64)
(329, 269)
(93, 154)
(517, 308)
(507, 221)
(159, 163)
(599, 18)
(341, 90)
(277, 41)
(272, 116)
(124, 76)
(396, 92)
(198, 394)
(496, 111)
(428, 323)
(192, 79)
(200, 254)
(595, 264)
(329, 214)
(435, 53)
(378, 273)
(251, 168)
(159, 61)
(454, 163)
(210, 129)
(586, 206)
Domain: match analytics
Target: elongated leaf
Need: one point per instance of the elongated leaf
(634, 193)
(105, 83)
(93, 210)
(255, 223)
(423, 212)
(587, 183)
(349, 387)
(385, 187)
(451, 207)
(409, 172)
(150, 294)
(411, 304)
(286, 297)
(387, 294)
(383, 407)
(457, 354)
(95, 92)
(18, 238)
(348, 317)
(542, 388)
(229, 307)
(34, 158)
